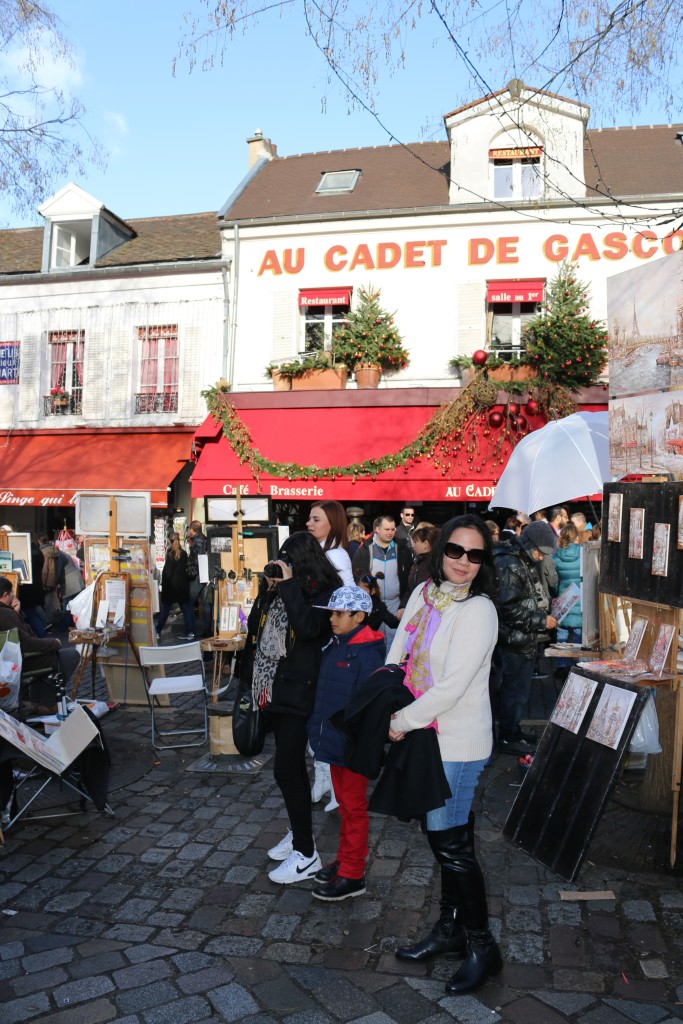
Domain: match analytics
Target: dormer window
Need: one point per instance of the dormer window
(335, 182)
(516, 172)
(79, 230)
(70, 244)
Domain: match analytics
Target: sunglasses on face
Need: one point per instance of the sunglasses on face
(456, 551)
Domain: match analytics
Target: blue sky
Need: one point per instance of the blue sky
(177, 144)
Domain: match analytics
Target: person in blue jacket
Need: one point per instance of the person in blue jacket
(354, 653)
(567, 559)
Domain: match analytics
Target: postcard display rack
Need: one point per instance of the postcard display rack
(577, 761)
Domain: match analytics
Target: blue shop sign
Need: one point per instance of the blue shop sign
(9, 362)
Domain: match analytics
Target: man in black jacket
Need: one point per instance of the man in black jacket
(48, 652)
(389, 560)
(522, 616)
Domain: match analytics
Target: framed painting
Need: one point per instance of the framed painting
(660, 549)
(616, 504)
(636, 530)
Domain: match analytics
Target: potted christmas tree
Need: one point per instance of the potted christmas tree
(565, 343)
(369, 343)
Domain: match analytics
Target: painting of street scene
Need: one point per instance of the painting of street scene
(573, 702)
(646, 434)
(645, 322)
(611, 716)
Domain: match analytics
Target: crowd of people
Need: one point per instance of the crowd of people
(421, 639)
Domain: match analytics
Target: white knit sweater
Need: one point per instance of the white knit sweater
(460, 664)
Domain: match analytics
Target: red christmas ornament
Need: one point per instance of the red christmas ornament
(480, 357)
(531, 407)
(496, 419)
(514, 423)
(513, 408)
(521, 423)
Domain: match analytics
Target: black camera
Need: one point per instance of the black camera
(273, 571)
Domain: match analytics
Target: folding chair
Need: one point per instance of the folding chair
(54, 762)
(180, 654)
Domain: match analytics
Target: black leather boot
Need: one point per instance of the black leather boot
(483, 959)
(447, 937)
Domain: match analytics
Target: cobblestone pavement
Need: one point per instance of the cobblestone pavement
(165, 915)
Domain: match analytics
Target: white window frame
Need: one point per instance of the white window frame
(516, 166)
(519, 318)
(330, 322)
(336, 182)
(166, 332)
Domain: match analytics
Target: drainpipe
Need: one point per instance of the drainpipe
(226, 323)
(235, 289)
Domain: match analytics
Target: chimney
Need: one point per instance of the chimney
(258, 146)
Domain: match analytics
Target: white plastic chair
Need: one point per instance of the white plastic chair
(180, 654)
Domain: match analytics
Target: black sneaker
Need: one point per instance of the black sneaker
(518, 746)
(340, 889)
(329, 872)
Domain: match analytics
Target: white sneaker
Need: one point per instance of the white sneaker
(283, 849)
(296, 868)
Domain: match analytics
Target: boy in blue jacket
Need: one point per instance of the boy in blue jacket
(354, 652)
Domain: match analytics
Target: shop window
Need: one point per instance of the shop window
(66, 372)
(159, 369)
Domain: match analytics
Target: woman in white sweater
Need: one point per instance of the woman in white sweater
(447, 636)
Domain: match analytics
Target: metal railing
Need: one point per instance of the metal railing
(63, 405)
(161, 402)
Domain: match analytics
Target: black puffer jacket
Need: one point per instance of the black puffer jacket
(520, 619)
(309, 631)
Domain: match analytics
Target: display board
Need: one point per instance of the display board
(641, 556)
(136, 564)
(132, 508)
(577, 762)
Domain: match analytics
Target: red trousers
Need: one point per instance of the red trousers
(350, 790)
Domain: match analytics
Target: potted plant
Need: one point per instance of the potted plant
(369, 343)
(60, 397)
(464, 368)
(281, 382)
(312, 371)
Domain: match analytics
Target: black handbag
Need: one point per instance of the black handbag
(248, 724)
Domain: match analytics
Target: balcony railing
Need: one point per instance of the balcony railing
(163, 402)
(63, 405)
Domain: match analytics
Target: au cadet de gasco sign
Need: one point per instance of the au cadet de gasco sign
(501, 250)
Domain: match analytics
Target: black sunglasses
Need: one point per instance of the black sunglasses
(456, 551)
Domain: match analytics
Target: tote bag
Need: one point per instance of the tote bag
(248, 725)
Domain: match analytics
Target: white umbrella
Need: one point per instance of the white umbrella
(565, 459)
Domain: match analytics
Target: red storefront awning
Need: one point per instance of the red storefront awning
(47, 468)
(515, 291)
(340, 435)
(325, 297)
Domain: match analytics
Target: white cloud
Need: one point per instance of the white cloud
(118, 120)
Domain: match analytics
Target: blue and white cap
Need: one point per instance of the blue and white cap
(348, 599)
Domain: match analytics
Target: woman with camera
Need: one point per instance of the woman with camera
(447, 635)
(285, 637)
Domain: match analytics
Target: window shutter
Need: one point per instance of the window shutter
(471, 317)
(285, 314)
(30, 393)
(96, 375)
(122, 372)
(190, 402)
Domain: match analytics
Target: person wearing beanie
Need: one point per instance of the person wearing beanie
(353, 654)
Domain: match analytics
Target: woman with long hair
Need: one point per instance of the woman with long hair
(175, 589)
(447, 635)
(327, 522)
(423, 541)
(285, 637)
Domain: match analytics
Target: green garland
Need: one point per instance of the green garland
(441, 439)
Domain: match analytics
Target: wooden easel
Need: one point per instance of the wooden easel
(95, 637)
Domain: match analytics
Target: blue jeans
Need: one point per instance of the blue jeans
(188, 616)
(515, 685)
(568, 635)
(462, 778)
